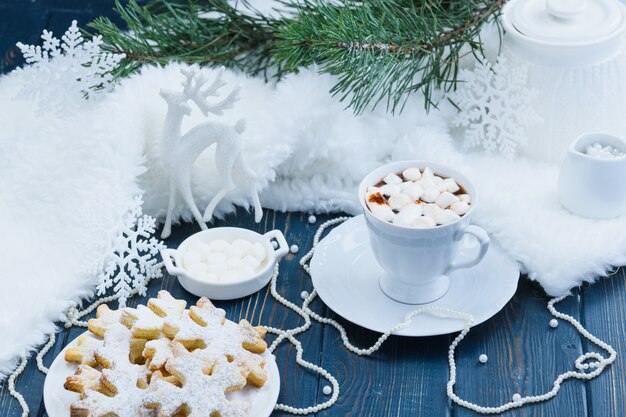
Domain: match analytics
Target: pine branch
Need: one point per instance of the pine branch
(380, 50)
(206, 32)
(384, 50)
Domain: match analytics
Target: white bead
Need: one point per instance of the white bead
(294, 249)
(517, 398)
(554, 323)
(274, 244)
(304, 295)
(327, 390)
(483, 358)
(312, 219)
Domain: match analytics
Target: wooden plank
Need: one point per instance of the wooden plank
(604, 313)
(299, 387)
(525, 356)
(406, 377)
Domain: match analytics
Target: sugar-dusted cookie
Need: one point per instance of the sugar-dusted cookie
(252, 368)
(115, 354)
(126, 400)
(204, 383)
(143, 322)
(83, 351)
(84, 378)
(158, 352)
(105, 317)
(252, 339)
(166, 305)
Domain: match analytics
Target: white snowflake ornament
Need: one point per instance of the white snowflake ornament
(62, 74)
(495, 105)
(132, 261)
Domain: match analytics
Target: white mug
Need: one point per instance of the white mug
(417, 262)
(592, 187)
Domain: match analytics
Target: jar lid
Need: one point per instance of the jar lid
(567, 22)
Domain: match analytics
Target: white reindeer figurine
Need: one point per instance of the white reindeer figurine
(178, 153)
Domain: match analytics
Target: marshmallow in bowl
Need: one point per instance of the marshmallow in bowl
(223, 261)
(417, 198)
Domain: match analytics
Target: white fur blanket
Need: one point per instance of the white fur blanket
(308, 153)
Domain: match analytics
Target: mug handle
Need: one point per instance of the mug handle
(168, 255)
(283, 246)
(483, 239)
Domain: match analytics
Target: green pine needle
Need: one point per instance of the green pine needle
(381, 50)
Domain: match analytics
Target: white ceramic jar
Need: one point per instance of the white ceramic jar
(574, 52)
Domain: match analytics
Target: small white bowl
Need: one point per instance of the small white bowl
(227, 290)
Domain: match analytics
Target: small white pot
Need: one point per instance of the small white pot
(592, 187)
(227, 290)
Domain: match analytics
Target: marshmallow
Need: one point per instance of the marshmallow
(199, 246)
(430, 195)
(258, 251)
(408, 215)
(191, 257)
(250, 261)
(233, 252)
(437, 181)
(218, 245)
(466, 198)
(243, 245)
(390, 189)
(231, 275)
(414, 191)
(429, 210)
(396, 202)
(216, 258)
(218, 269)
(412, 174)
(460, 207)
(196, 269)
(392, 179)
(446, 199)
(234, 263)
(424, 223)
(451, 185)
(247, 272)
(446, 216)
(382, 211)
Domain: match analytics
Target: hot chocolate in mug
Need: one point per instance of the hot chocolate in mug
(416, 262)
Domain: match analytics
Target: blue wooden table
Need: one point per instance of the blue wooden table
(407, 377)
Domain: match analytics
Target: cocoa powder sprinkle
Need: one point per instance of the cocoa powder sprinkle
(376, 198)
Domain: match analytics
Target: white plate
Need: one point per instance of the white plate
(58, 400)
(345, 275)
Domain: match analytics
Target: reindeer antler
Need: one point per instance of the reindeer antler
(192, 90)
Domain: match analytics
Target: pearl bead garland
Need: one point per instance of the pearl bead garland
(294, 249)
(73, 316)
(13, 392)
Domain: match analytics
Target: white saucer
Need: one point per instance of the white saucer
(58, 400)
(345, 275)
